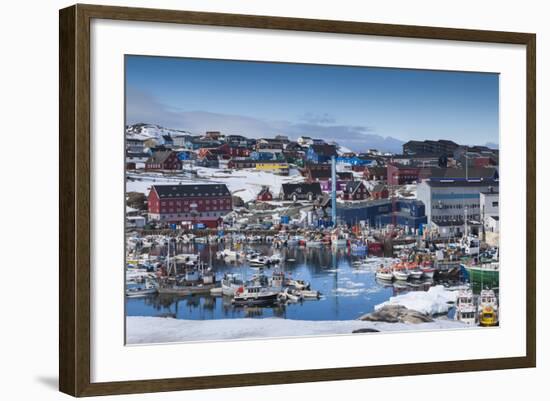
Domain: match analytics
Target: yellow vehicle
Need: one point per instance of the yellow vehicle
(488, 317)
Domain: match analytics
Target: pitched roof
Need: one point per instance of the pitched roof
(202, 190)
(379, 188)
(344, 175)
(352, 186)
(265, 190)
(160, 156)
(314, 188)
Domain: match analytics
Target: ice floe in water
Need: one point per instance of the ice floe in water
(435, 301)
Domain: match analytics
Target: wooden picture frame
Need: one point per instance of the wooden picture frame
(75, 207)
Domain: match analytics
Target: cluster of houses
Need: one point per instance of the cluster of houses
(453, 183)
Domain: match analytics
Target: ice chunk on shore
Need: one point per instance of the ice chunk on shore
(148, 330)
(435, 301)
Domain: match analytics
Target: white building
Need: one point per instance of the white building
(449, 201)
(489, 204)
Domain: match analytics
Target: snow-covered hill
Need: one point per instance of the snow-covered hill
(147, 131)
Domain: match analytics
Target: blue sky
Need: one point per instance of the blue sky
(358, 107)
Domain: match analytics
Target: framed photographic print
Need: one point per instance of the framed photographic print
(250, 200)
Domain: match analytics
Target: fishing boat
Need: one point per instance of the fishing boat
(260, 261)
(229, 255)
(231, 283)
(277, 280)
(465, 307)
(427, 269)
(484, 272)
(276, 258)
(140, 291)
(416, 274)
(309, 294)
(488, 308)
(401, 274)
(470, 245)
(255, 295)
(291, 294)
(298, 284)
(384, 273)
(488, 316)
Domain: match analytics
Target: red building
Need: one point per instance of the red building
(264, 195)
(355, 191)
(375, 173)
(380, 191)
(163, 160)
(190, 204)
(399, 174)
(239, 151)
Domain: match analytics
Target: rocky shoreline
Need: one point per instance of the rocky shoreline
(396, 314)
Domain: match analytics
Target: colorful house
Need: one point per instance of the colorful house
(399, 174)
(301, 192)
(355, 191)
(264, 195)
(189, 204)
(379, 191)
(375, 173)
(163, 160)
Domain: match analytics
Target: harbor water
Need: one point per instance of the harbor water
(348, 290)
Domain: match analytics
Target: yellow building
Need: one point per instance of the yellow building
(274, 167)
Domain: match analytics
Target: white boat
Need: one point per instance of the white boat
(465, 307)
(291, 295)
(416, 274)
(470, 245)
(298, 284)
(427, 270)
(384, 273)
(487, 298)
(314, 244)
(260, 261)
(231, 284)
(229, 255)
(141, 291)
(276, 258)
(277, 280)
(401, 274)
(309, 294)
(255, 295)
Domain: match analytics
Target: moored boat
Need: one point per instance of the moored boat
(255, 295)
(384, 273)
(465, 308)
(484, 272)
(401, 274)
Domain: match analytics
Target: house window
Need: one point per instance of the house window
(495, 204)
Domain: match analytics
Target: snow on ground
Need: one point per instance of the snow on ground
(147, 330)
(436, 300)
(244, 183)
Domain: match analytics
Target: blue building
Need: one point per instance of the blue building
(377, 213)
(354, 161)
